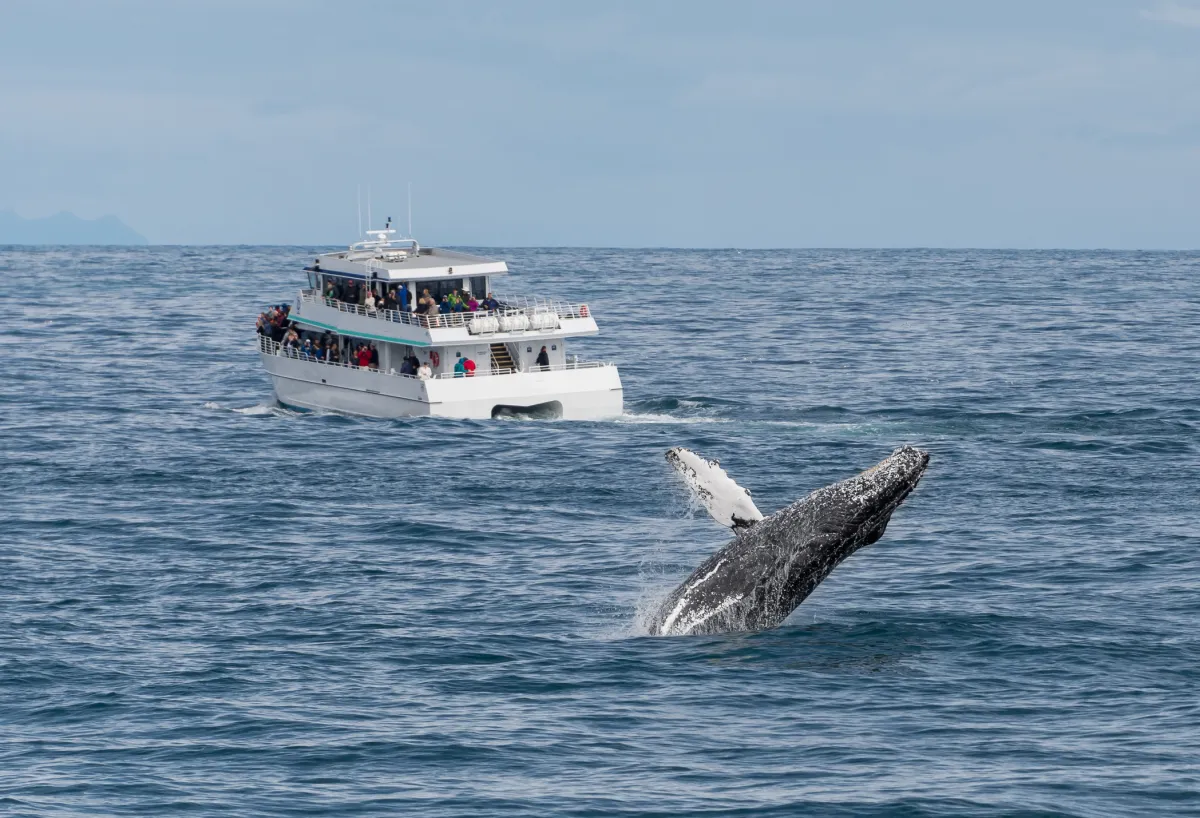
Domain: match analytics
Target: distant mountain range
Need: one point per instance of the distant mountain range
(66, 228)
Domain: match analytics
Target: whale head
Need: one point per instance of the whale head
(855, 512)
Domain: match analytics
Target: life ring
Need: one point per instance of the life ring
(583, 311)
(434, 358)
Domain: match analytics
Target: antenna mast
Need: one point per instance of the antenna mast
(410, 210)
(358, 201)
(368, 206)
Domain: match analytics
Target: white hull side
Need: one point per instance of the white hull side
(585, 394)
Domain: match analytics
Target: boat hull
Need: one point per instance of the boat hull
(591, 393)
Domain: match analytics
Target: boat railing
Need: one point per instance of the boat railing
(270, 346)
(532, 369)
(535, 310)
(534, 303)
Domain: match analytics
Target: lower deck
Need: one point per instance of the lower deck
(571, 390)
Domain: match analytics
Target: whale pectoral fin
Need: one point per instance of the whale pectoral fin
(727, 502)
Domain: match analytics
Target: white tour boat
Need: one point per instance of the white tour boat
(508, 356)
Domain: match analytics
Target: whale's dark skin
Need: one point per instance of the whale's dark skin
(757, 580)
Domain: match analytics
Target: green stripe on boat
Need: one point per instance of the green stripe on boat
(331, 328)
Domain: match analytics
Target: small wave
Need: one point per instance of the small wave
(656, 417)
(257, 410)
(262, 409)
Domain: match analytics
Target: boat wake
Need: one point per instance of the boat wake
(659, 417)
(257, 410)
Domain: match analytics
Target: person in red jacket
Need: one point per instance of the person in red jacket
(469, 366)
(364, 357)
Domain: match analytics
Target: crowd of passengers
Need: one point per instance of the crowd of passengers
(274, 322)
(327, 348)
(397, 298)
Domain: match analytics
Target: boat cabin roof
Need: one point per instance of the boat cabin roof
(404, 260)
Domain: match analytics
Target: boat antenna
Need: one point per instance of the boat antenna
(358, 201)
(410, 210)
(368, 206)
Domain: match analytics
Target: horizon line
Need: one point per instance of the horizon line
(647, 247)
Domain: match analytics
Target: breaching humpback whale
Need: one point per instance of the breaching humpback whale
(757, 580)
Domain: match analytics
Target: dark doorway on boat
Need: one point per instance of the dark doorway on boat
(550, 410)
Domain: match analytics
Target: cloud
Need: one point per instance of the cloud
(1175, 14)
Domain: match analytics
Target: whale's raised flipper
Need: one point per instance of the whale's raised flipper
(727, 502)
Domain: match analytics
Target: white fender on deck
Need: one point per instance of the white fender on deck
(543, 319)
(727, 502)
(483, 323)
(514, 322)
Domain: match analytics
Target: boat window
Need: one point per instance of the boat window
(440, 287)
(479, 286)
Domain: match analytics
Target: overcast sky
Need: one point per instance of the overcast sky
(800, 123)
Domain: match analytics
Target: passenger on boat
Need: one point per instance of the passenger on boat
(543, 359)
(270, 321)
(445, 308)
(369, 303)
(332, 355)
(490, 303)
(331, 290)
(306, 351)
(469, 366)
(374, 356)
(406, 368)
(403, 302)
(460, 368)
(472, 304)
(291, 339)
(456, 301)
(363, 356)
(425, 373)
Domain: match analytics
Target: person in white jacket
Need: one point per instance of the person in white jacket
(424, 373)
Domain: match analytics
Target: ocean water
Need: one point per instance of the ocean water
(210, 605)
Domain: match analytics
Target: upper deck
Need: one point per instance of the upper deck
(393, 264)
(519, 317)
(401, 277)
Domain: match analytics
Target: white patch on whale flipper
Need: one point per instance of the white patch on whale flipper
(727, 502)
